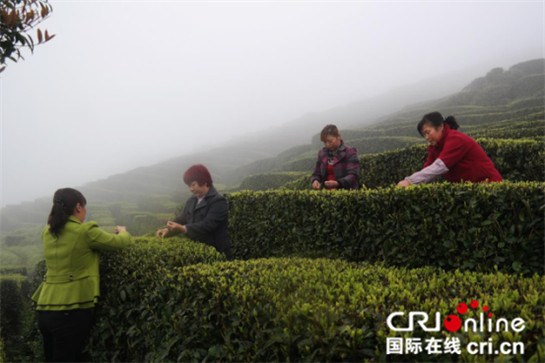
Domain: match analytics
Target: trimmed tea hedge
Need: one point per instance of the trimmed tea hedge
(126, 318)
(131, 315)
(14, 308)
(301, 310)
(516, 160)
(10, 312)
(466, 226)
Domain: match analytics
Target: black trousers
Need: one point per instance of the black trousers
(65, 334)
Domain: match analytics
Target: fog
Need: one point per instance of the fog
(130, 83)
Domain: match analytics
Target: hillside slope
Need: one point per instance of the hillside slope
(502, 104)
(489, 104)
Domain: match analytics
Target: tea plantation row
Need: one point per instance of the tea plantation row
(516, 160)
(468, 226)
(167, 300)
(174, 299)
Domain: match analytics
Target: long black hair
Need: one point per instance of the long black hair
(64, 204)
(435, 119)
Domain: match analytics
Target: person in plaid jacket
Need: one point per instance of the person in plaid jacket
(338, 165)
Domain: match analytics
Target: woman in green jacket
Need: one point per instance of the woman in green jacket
(70, 290)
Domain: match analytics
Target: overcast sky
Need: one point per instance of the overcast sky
(130, 83)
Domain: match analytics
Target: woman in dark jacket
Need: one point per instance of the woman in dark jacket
(451, 153)
(205, 214)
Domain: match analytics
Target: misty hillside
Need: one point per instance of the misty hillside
(483, 108)
(501, 95)
(488, 103)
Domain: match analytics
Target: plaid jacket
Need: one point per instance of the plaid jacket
(346, 165)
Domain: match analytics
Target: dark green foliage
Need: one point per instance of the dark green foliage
(28, 346)
(390, 167)
(10, 312)
(517, 160)
(468, 226)
(38, 274)
(137, 307)
(14, 310)
(175, 300)
(294, 310)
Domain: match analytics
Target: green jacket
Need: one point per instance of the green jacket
(72, 279)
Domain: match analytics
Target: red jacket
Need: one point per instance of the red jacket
(465, 159)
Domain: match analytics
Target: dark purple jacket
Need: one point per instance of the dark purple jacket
(207, 221)
(346, 165)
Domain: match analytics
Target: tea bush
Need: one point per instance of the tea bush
(14, 308)
(10, 312)
(299, 310)
(131, 316)
(466, 226)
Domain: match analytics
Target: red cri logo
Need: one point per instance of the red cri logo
(454, 323)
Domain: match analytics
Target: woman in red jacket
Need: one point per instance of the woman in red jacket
(452, 154)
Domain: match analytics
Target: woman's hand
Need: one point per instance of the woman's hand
(316, 185)
(118, 229)
(161, 232)
(331, 184)
(404, 183)
(173, 226)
